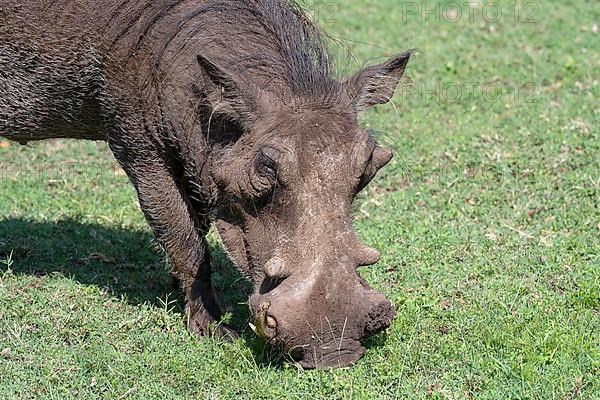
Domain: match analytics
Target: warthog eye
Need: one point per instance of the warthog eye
(265, 163)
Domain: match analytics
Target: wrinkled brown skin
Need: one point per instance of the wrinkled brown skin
(226, 111)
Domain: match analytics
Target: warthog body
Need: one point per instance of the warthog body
(225, 111)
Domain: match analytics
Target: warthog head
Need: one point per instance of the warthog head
(285, 190)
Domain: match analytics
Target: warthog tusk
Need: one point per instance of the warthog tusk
(265, 325)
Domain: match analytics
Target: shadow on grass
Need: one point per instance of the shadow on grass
(125, 263)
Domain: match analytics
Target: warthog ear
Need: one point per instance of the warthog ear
(377, 84)
(227, 94)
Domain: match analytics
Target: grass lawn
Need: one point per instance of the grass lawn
(488, 220)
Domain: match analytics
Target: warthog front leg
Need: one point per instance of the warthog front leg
(178, 229)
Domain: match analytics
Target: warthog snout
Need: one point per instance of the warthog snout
(320, 319)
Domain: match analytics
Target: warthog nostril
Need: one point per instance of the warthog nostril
(380, 317)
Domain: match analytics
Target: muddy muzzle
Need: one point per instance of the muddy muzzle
(328, 348)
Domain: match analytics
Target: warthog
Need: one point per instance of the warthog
(224, 111)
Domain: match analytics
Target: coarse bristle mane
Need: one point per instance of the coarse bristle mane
(274, 41)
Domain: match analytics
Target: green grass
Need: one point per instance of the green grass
(488, 220)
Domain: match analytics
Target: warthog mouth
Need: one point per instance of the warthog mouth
(316, 352)
(334, 354)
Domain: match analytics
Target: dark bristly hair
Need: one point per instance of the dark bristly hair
(273, 40)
